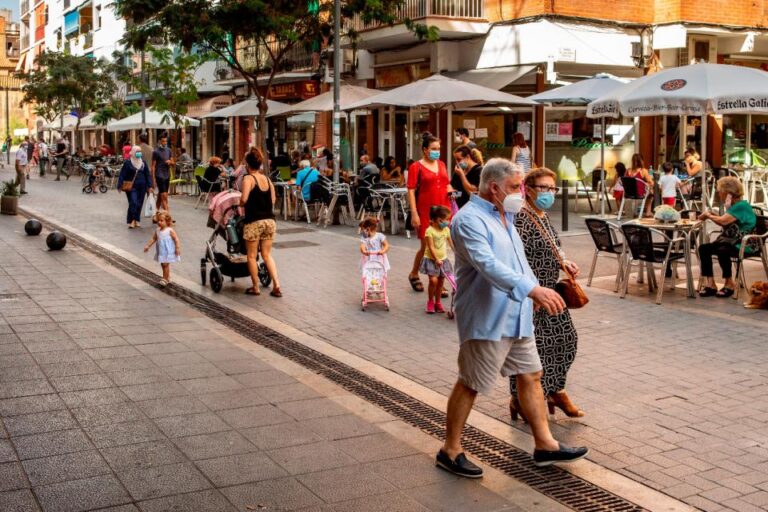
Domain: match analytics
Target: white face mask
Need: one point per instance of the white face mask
(513, 203)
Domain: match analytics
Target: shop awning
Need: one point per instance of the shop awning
(493, 78)
(199, 108)
(71, 22)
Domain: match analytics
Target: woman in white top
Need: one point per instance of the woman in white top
(521, 153)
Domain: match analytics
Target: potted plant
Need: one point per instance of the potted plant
(9, 202)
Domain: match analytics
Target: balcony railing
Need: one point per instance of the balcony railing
(88, 41)
(25, 41)
(257, 57)
(419, 9)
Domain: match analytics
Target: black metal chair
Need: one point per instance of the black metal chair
(608, 239)
(643, 250)
(632, 193)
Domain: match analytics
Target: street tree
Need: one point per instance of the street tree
(255, 37)
(63, 83)
(167, 79)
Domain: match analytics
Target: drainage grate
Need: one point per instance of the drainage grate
(293, 244)
(564, 487)
(295, 231)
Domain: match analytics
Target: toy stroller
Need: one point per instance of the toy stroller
(450, 278)
(374, 277)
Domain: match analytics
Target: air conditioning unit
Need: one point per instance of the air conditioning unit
(637, 49)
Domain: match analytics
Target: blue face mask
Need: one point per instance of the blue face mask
(434, 154)
(138, 154)
(545, 200)
(442, 224)
(463, 165)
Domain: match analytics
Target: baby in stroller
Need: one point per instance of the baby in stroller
(226, 220)
(374, 263)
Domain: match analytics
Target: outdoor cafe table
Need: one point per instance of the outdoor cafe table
(395, 195)
(688, 229)
(288, 188)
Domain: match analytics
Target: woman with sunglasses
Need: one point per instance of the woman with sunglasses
(556, 337)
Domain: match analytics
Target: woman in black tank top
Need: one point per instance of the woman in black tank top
(259, 231)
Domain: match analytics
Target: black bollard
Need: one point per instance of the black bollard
(565, 199)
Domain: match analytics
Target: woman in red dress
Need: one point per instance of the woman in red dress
(428, 185)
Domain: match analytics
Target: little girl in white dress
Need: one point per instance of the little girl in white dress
(168, 248)
(373, 245)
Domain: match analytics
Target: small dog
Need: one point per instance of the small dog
(758, 296)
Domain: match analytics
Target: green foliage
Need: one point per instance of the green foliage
(63, 83)
(254, 36)
(168, 79)
(273, 26)
(10, 188)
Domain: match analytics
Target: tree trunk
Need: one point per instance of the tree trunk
(261, 134)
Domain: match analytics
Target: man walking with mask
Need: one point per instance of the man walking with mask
(21, 167)
(496, 295)
(161, 171)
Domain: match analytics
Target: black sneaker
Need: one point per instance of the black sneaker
(564, 454)
(460, 466)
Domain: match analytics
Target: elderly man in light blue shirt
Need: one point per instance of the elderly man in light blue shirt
(496, 295)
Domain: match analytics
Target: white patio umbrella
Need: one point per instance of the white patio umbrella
(349, 94)
(88, 123)
(582, 93)
(69, 122)
(694, 90)
(250, 108)
(154, 120)
(439, 92)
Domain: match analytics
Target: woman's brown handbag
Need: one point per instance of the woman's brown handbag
(572, 293)
(127, 186)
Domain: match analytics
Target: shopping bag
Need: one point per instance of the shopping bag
(149, 206)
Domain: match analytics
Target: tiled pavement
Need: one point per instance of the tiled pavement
(115, 397)
(674, 394)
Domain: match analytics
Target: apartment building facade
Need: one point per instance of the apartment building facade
(10, 94)
(528, 46)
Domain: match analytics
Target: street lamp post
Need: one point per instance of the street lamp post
(336, 90)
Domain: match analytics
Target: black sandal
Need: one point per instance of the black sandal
(252, 291)
(708, 292)
(416, 284)
(724, 293)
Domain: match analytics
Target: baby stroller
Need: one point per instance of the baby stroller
(227, 223)
(374, 276)
(450, 278)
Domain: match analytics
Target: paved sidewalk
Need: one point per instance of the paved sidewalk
(113, 396)
(674, 393)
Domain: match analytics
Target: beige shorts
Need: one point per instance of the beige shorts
(481, 361)
(260, 230)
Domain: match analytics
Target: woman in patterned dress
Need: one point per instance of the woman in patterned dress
(556, 337)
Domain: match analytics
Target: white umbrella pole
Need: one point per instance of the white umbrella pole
(603, 173)
(704, 198)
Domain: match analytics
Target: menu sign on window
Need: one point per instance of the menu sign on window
(558, 132)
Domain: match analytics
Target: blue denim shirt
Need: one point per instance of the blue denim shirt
(493, 275)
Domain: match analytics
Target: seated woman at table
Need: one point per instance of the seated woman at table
(738, 220)
(692, 162)
(306, 176)
(391, 172)
(212, 173)
(645, 180)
